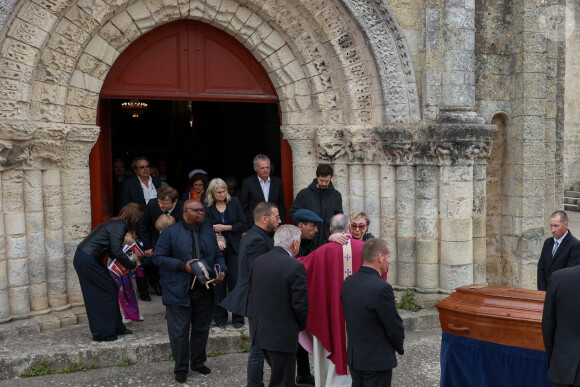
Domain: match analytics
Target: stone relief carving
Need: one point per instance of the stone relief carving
(403, 146)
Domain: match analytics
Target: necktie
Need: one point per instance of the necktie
(554, 248)
(166, 212)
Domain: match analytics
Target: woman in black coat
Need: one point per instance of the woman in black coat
(99, 289)
(225, 214)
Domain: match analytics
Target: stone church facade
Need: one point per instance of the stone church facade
(443, 119)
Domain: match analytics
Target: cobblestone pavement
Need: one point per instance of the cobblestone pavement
(418, 367)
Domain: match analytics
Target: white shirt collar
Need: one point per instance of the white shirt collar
(560, 240)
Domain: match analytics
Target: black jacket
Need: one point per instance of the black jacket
(131, 191)
(560, 327)
(280, 301)
(107, 239)
(324, 202)
(373, 324)
(235, 218)
(251, 194)
(146, 230)
(568, 254)
(255, 243)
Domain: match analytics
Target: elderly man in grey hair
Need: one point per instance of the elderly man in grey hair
(279, 304)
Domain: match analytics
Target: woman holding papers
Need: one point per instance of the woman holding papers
(99, 289)
(225, 214)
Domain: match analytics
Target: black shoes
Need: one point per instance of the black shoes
(238, 325)
(305, 380)
(125, 332)
(157, 289)
(202, 370)
(145, 297)
(110, 338)
(181, 377)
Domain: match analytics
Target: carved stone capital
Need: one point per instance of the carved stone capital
(405, 145)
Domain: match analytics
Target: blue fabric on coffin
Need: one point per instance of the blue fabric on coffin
(469, 362)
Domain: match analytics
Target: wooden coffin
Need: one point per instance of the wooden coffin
(498, 314)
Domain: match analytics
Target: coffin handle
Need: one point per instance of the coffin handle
(458, 329)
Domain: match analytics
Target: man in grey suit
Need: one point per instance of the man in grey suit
(373, 324)
(560, 327)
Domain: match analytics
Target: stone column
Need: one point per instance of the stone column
(16, 249)
(357, 189)
(304, 155)
(33, 206)
(372, 197)
(4, 301)
(76, 211)
(406, 230)
(388, 231)
(479, 221)
(458, 77)
(428, 226)
(55, 262)
(455, 212)
(342, 182)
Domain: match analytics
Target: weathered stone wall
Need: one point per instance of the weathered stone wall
(396, 95)
(572, 97)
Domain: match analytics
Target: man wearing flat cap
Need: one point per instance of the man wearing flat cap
(307, 221)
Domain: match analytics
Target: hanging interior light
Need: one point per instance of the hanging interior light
(134, 107)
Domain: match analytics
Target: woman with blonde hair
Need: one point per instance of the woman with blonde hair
(98, 288)
(359, 226)
(225, 214)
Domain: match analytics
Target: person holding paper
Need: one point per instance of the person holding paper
(98, 288)
(189, 304)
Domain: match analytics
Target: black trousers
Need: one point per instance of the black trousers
(302, 362)
(188, 328)
(100, 295)
(371, 378)
(221, 314)
(255, 371)
(283, 368)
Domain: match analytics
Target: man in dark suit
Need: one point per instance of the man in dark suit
(373, 324)
(258, 241)
(167, 203)
(560, 327)
(139, 188)
(280, 304)
(563, 250)
(262, 188)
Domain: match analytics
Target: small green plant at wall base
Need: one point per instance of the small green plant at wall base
(215, 353)
(244, 342)
(125, 362)
(171, 357)
(43, 369)
(37, 370)
(408, 302)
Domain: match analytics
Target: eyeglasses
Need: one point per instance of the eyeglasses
(198, 185)
(144, 166)
(358, 226)
(196, 210)
(277, 216)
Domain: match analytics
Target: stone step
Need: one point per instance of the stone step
(571, 194)
(571, 207)
(573, 201)
(149, 343)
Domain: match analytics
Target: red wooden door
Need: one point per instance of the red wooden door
(183, 60)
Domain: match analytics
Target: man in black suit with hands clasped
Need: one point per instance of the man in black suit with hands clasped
(262, 187)
(279, 304)
(560, 251)
(373, 324)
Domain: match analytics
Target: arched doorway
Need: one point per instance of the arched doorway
(211, 105)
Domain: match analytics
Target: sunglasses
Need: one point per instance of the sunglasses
(358, 227)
